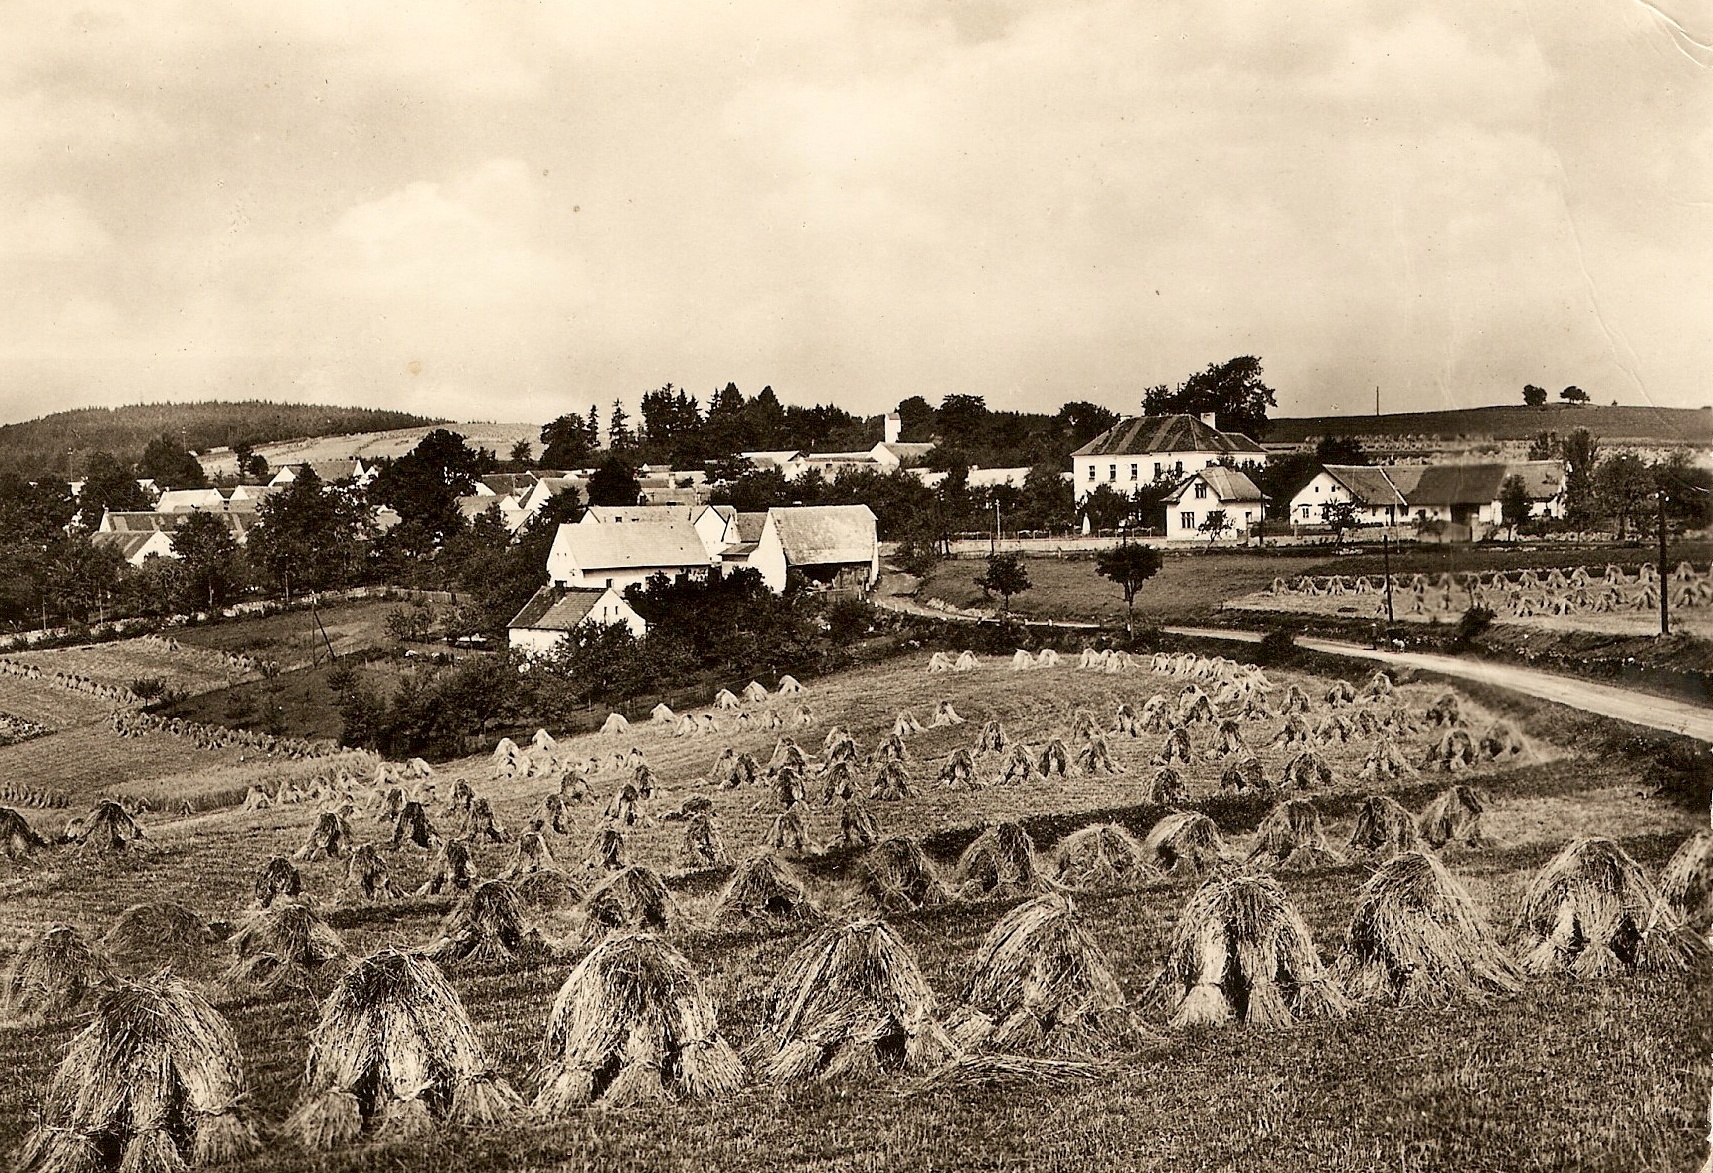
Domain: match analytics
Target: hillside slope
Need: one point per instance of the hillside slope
(57, 444)
(1666, 425)
(496, 437)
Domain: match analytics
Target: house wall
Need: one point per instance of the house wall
(1185, 515)
(1306, 506)
(711, 528)
(610, 609)
(769, 558)
(1125, 473)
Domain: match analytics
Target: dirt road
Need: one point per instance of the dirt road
(1638, 708)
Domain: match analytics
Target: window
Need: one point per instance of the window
(1091, 472)
(1157, 470)
(1248, 516)
(1180, 468)
(1186, 520)
(1112, 472)
(1133, 471)
(1201, 490)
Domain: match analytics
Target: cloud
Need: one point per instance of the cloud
(506, 212)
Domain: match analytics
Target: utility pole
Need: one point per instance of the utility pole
(995, 548)
(1664, 582)
(1386, 562)
(1376, 401)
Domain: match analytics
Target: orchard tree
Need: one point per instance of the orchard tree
(1534, 396)
(212, 560)
(1129, 565)
(1573, 394)
(565, 441)
(1215, 525)
(614, 483)
(1514, 503)
(308, 535)
(1005, 576)
(170, 465)
(1581, 454)
(1340, 518)
(109, 483)
(1233, 390)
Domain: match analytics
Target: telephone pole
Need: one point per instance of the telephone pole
(1664, 582)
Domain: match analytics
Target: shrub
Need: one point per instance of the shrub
(149, 687)
(1276, 647)
(1474, 623)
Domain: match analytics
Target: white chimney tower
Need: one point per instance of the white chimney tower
(894, 427)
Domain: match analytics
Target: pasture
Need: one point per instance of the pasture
(1608, 1073)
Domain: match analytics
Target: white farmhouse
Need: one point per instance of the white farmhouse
(1379, 499)
(588, 556)
(833, 546)
(1140, 450)
(554, 613)
(1207, 490)
(710, 522)
(135, 547)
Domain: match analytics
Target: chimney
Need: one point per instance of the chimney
(894, 427)
(1207, 418)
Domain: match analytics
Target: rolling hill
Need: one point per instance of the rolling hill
(368, 445)
(1638, 425)
(58, 444)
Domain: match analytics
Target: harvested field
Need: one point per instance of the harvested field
(1605, 1074)
(181, 666)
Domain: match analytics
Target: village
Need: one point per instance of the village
(1001, 586)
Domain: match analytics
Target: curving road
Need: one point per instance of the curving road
(1638, 708)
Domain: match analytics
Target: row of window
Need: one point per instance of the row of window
(1159, 470)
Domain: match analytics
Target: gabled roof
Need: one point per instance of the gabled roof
(906, 451)
(747, 527)
(772, 456)
(1226, 483)
(139, 521)
(1544, 478)
(1367, 484)
(557, 608)
(659, 545)
(128, 544)
(509, 482)
(1144, 434)
(818, 535)
(476, 504)
(1458, 484)
(174, 500)
(634, 514)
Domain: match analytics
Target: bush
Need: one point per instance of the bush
(916, 558)
(1473, 624)
(149, 688)
(1276, 647)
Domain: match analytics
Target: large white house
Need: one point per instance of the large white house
(587, 556)
(554, 613)
(1207, 490)
(1138, 451)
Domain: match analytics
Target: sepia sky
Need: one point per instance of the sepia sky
(501, 211)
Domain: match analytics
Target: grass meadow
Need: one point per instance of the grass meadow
(1569, 1074)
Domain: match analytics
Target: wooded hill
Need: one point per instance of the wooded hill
(59, 444)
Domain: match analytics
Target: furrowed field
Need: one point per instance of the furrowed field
(1598, 1073)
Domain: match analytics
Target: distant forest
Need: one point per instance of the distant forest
(60, 444)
